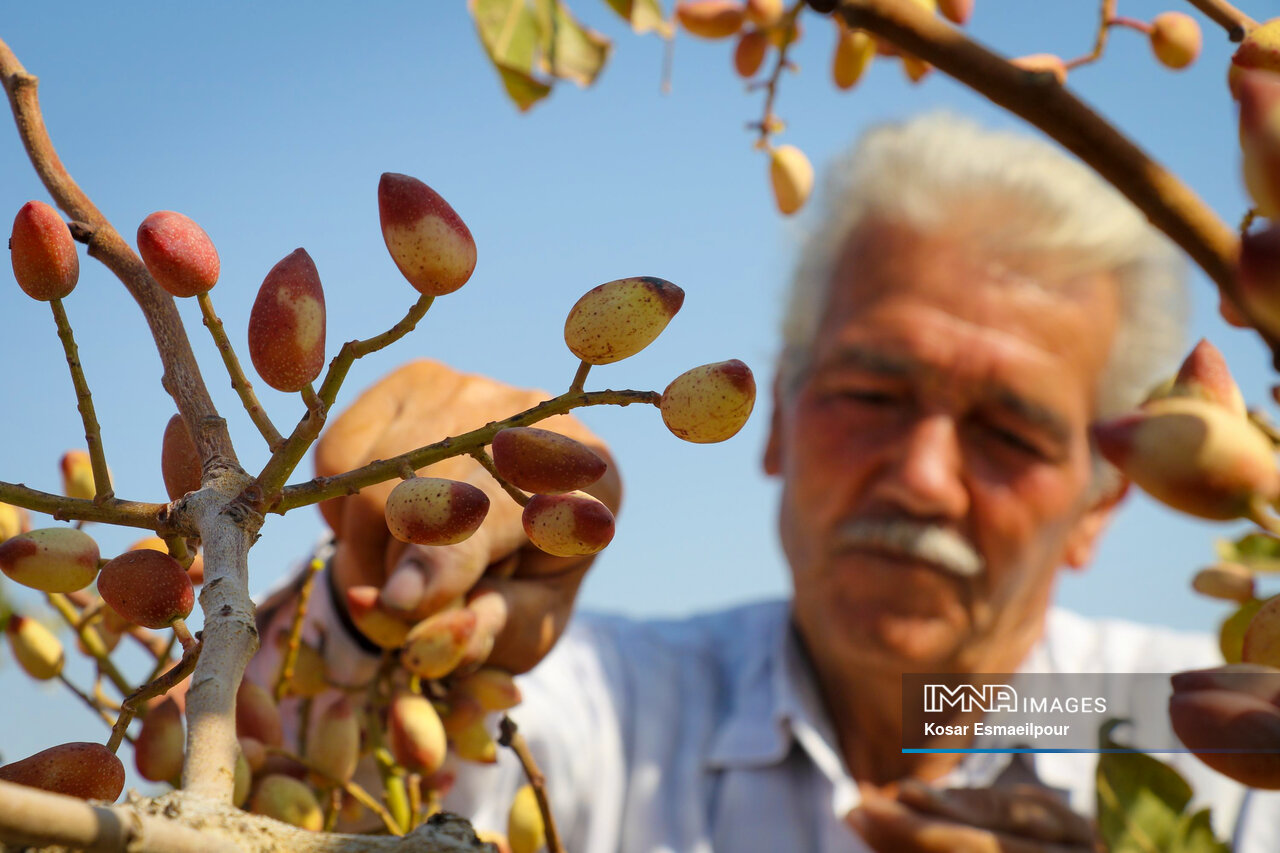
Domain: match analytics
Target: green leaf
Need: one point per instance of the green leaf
(511, 36)
(1258, 551)
(644, 16)
(1140, 800)
(1195, 835)
(569, 51)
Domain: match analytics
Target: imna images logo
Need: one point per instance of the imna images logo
(967, 698)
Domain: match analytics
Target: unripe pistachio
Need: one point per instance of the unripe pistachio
(416, 735)
(257, 715)
(854, 51)
(526, 831)
(1231, 632)
(1193, 455)
(1175, 39)
(36, 648)
(13, 520)
(791, 176)
(956, 10)
(763, 13)
(497, 839)
(785, 32)
(158, 750)
(459, 712)
(543, 461)
(287, 324)
(474, 743)
(52, 559)
(333, 744)
(1043, 62)
(493, 689)
(286, 799)
(710, 19)
(253, 752)
(178, 253)
(709, 403)
(749, 54)
(1260, 50)
(89, 771)
(568, 525)
(147, 587)
(435, 511)
(428, 241)
(1228, 581)
(436, 645)
(1262, 638)
(242, 783)
(43, 254)
(77, 475)
(179, 461)
(1259, 278)
(617, 319)
(1204, 374)
(1259, 96)
(380, 627)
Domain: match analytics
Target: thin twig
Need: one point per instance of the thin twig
(1222, 13)
(146, 516)
(486, 460)
(239, 381)
(364, 797)
(284, 460)
(768, 121)
(92, 642)
(510, 736)
(84, 402)
(295, 629)
(350, 482)
(1100, 40)
(163, 684)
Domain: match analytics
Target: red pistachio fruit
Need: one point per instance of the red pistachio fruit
(44, 256)
(287, 324)
(427, 239)
(89, 771)
(147, 587)
(178, 253)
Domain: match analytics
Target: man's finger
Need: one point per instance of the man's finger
(426, 579)
(1022, 810)
(533, 611)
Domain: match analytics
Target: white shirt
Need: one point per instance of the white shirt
(707, 734)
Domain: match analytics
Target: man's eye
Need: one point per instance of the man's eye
(1015, 441)
(867, 396)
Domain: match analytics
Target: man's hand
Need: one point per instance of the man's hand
(1017, 819)
(1231, 707)
(522, 597)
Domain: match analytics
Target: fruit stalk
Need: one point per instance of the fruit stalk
(84, 402)
(239, 381)
(580, 377)
(487, 461)
(360, 794)
(92, 642)
(768, 121)
(295, 629)
(1222, 13)
(510, 737)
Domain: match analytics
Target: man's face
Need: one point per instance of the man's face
(935, 454)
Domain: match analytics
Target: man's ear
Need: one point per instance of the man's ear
(773, 446)
(1083, 539)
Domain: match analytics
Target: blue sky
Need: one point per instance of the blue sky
(270, 123)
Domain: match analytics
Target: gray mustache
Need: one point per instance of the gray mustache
(929, 542)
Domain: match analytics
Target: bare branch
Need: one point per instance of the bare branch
(323, 488)
(241, 384)
(181, 374)
(145, 516)
(295, 629)
(84, 402)
(768, 123)
(1168, 203)
(163, 684)
(510, 737)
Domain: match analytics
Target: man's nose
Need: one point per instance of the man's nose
(923, 473)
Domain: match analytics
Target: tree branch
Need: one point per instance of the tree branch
(146, 516)
(1167, 202)
(323, 488)
(1222, 13)
(163, 684)
(84, 402)
(181, 374)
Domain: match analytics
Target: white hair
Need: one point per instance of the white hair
(937, 168)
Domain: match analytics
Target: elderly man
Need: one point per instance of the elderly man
(970, 304)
